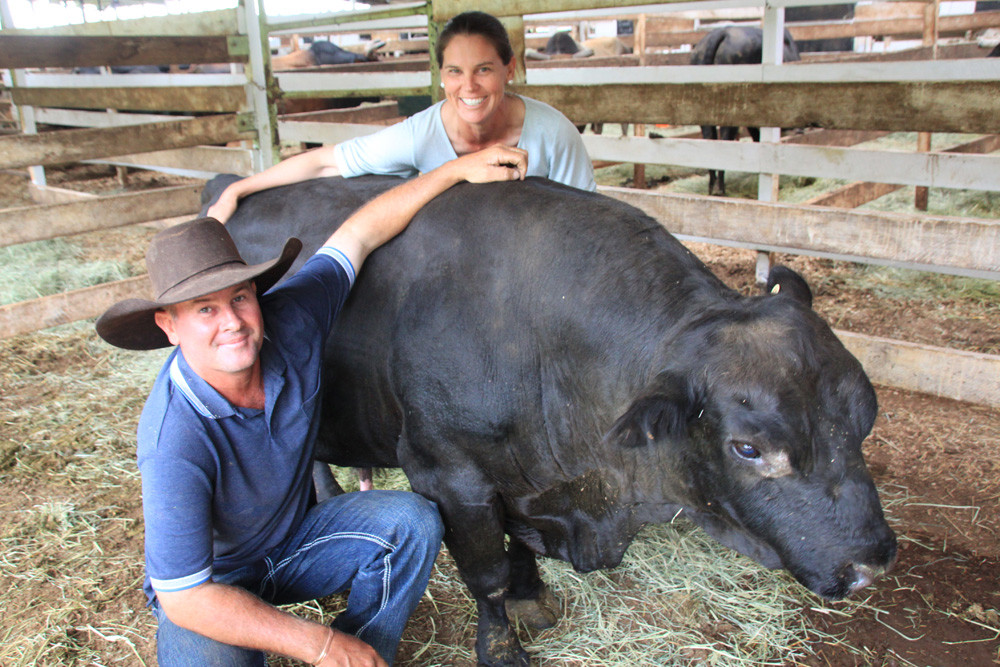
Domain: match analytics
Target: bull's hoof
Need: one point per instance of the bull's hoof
(522, 659)
(538, 613)
(503, 654)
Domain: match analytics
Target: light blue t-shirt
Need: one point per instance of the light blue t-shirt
(420, 144)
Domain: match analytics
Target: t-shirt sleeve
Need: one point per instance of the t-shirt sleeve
(177, 501)
(555, 148)
(570, 162)
(320, 287)
(389, 152)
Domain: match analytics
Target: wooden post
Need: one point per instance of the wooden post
(434, 29)
(922, 193)
(767, 184)
(639, 33)
(261, 87)
(515, 32)
(26, 113)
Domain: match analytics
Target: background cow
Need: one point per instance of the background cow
(325, 53)
(551, 365)
(733, 45)
(563, 44)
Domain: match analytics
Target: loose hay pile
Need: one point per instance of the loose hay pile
(71, 544)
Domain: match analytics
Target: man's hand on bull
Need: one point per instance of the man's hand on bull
(496, 163)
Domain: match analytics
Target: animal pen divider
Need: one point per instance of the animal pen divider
(853, 98)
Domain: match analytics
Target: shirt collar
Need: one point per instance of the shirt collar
(208, 402)
(202, 396)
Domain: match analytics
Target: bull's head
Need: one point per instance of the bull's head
(762, 412)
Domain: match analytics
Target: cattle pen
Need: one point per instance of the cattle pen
(185, 126)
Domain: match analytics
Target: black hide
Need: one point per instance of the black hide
(733, 45)
(551, 364)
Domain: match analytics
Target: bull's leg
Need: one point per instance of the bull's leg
(324, 481)
(726, 133)
(472, 514)
(475, 540)
(714, 176)
(528, 598)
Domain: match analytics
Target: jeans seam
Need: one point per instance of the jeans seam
(387, 567)
(267, 578)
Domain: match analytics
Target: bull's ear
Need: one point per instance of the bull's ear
(783, 281)
(661, 410)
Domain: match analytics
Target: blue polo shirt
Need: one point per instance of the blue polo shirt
(221, 485)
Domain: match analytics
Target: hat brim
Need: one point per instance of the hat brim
(130, 324)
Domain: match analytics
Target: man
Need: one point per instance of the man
(226, 438)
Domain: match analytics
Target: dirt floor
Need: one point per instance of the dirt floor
(935, 461)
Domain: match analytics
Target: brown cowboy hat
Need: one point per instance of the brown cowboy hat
(185, 262)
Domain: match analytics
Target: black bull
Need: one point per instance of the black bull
(734, 45)
(552, 364)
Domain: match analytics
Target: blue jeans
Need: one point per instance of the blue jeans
(379, 544)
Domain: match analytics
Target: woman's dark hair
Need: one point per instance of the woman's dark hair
(476, 23)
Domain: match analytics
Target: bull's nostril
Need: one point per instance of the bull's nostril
(860, 576)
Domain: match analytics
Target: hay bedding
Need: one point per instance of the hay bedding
(71, 523)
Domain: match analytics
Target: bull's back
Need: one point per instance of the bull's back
(487, 286)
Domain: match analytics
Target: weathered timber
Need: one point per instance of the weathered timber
(49, 311)
(367, 113)
(593, 61)
(63, 146)
(948, 26)
(852, 195)
(943, 52)
(445, 9)
(987, 144)
(217, 22)
(205, 99)
(194, 161)
(930, 242)
(19, 51)
(956, 374)
(48, 194)
(935, 106)
(832, 137)
(407, 64)
(38, 223)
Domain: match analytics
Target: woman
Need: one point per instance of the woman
(476, 61)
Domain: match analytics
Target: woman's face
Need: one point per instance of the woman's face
(474, 77)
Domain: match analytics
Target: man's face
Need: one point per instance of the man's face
(220, 334)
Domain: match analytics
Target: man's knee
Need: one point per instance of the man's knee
(419, 515)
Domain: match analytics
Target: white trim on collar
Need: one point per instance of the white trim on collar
(181, 383)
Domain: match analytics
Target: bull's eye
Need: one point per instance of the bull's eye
(745, 450)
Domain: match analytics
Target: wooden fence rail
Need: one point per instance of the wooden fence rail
(63, 146)
(928, 96)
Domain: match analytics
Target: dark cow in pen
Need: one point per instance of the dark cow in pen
(733, 45)
(552, 366)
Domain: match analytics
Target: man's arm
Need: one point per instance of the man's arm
(388, 214)
(231, 615)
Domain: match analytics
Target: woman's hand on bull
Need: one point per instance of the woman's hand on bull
(224, 208)
(496, 163)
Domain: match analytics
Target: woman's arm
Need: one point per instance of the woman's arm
(316, 163)
(388, 214)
